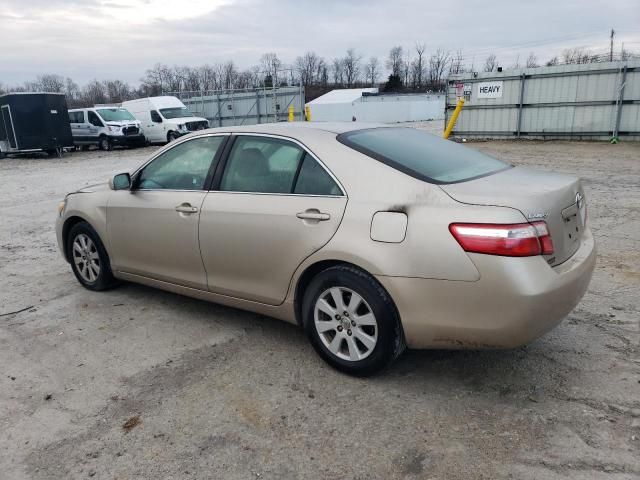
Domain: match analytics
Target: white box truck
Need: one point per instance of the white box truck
(164, 118)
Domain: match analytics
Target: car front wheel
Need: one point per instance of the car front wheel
(88, 258)
(351, 321)
(104, 144)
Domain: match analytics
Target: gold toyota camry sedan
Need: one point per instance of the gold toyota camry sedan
(370, 237)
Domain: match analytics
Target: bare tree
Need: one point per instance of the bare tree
(578, 55)
(322, 73)
(207, 77)
(271, 64)
(337, 69)
(532, 61)
(116, 91)
(457, 63)
(491, 63)
(418, 66)
(351, 65)
(49, 83)
(438, 64)
(307, 66)
(395, 61)
(230, 75)
(552, 62)
(93, 93)
(71, 91)
(372, 70)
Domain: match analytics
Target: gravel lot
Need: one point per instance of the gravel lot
(219, 393)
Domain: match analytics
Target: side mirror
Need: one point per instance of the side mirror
(122, 181)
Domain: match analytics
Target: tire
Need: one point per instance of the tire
(369, 336)
(2, 155)
(104, 144)
(171, 136)
(83, 243)
(84, 148)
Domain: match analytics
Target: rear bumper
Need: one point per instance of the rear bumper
(515, 301)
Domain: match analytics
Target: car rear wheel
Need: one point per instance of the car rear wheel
(104, 143)
(88, 258)
(351, 321)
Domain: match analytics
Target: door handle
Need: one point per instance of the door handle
(186, 208)
(313, 214)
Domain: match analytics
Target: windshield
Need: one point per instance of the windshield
(176, 112)
(115, 114)
(422, 155)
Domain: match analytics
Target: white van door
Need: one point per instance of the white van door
(156, 127)
(79, 127)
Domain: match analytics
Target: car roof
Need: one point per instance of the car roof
(291, 128)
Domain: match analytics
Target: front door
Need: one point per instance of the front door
(155, 128)
(153, 228)
(275, 206)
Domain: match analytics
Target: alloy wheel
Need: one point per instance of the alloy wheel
(86, 258)
(345, 324)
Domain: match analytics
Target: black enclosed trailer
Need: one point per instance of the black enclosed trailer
(34, 122)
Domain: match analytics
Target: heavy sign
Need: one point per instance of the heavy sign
(490, 89)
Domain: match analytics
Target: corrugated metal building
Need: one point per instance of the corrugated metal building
(368, 105)
(597, 101)
(244, 107)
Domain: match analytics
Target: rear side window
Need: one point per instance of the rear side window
(314, 180)
(422, 155)
(260, 164)
(272, 165)
(76, 117)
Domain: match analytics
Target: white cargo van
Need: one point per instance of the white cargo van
(105, 126)
(164, 118)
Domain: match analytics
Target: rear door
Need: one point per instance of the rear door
(274, 205)
(78, 126)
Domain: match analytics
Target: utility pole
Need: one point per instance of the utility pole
(611, 47)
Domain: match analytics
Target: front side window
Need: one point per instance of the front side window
(184, 167)
(175, 112)
(155, 117)
(115, 114)
(422, 155)
(94, 120)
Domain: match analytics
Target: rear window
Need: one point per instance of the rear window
(422, 155)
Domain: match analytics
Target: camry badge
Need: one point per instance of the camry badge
(535, 216)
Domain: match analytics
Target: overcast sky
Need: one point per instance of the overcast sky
(108, 39)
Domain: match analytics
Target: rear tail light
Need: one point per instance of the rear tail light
(511, 240)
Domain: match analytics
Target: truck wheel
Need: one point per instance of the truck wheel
(171, 136)
(104, 143)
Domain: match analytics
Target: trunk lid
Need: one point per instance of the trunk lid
(556, 198)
